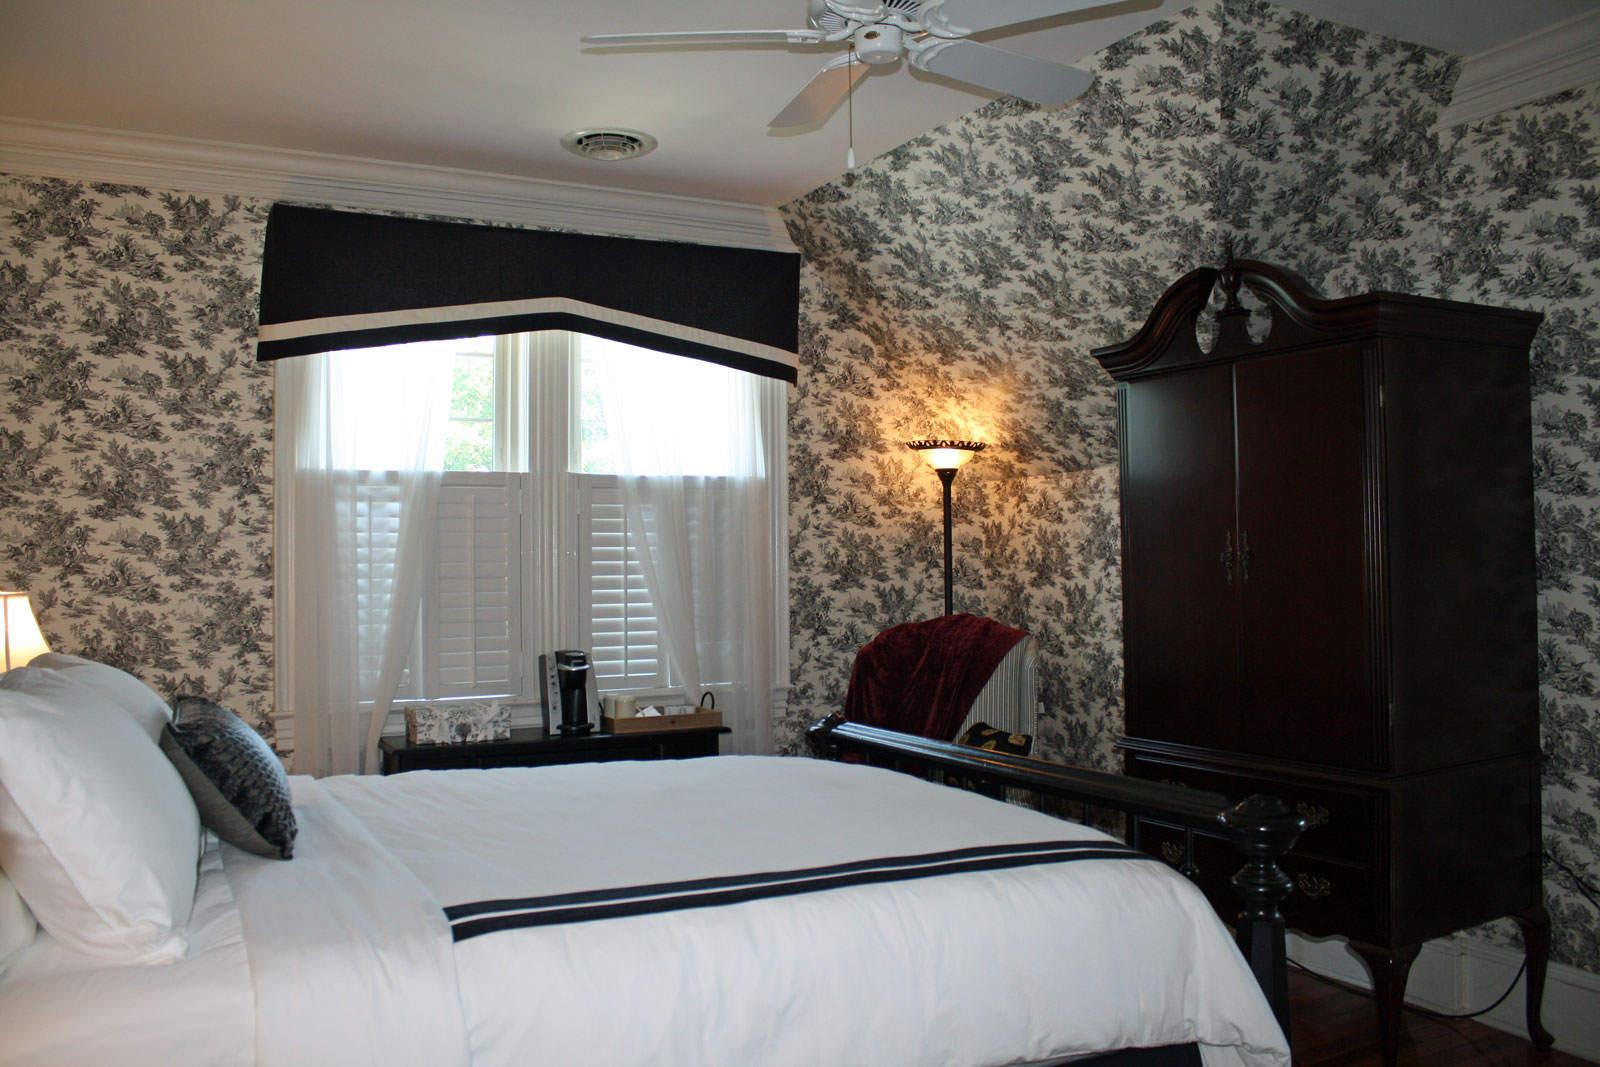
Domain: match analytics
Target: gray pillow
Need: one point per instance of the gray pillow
(236, 780)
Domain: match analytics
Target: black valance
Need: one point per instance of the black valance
(338, 279)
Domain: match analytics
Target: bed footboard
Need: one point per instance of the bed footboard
(1261, 828)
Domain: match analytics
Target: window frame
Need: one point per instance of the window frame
(538, 384)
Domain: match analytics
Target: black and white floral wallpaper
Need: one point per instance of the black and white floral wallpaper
(136, 433)
(953, 287)
(956, 286)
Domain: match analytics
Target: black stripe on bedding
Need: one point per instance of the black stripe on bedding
(488, 916)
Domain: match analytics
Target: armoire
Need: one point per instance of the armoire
(1329, 597)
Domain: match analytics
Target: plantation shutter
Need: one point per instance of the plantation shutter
(624, 637)
(373, 534)
(472, 614)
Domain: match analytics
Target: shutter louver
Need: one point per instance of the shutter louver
(473, 612)
(624, 636)
(374, 533)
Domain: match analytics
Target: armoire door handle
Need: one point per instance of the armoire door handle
(1227, 556)
(1244, 555)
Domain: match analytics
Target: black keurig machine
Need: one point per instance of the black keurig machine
(572, 683)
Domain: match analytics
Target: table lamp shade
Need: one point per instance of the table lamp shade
(20, 639)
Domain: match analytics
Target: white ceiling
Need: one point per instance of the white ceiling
(491, 85)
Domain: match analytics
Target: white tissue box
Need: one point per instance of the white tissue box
(455, 724)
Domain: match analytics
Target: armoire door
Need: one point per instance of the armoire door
(1180, 612)
(1306, 523)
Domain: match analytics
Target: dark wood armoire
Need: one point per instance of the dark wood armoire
(1328, 596)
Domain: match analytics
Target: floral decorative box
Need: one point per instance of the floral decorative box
(455, 724)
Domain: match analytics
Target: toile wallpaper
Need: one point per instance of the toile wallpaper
(955, 287)
(136, 433)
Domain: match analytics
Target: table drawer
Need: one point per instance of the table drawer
(1339, 823)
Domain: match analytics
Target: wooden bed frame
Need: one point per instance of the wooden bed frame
(1261, 828)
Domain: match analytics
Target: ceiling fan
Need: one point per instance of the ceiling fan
(931, 34)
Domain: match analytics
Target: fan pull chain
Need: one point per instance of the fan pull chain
(850, 110)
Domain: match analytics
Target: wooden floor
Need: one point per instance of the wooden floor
(1336, 1027)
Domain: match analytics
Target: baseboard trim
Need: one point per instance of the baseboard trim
(1462, 974)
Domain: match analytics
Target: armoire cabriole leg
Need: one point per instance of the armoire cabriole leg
(1535, 924)
(1390, 968)
(1262, 829)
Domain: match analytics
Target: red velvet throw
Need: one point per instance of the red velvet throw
(922, 677)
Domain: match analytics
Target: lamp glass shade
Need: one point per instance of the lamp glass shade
(20, 639)
(944, 459)
(945, 455)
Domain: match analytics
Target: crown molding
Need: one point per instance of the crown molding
(1562, 56)
(82, 153)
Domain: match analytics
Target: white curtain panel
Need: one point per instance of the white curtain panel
(360, 439)
(707, 557)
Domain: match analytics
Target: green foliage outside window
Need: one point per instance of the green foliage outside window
(470, 442)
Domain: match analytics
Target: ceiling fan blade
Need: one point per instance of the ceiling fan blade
(971, 16)
(821, 95)
(1038, 80)
(708, 37)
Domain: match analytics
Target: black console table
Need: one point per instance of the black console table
(529, 746)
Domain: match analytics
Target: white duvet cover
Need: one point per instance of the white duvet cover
(346, 956)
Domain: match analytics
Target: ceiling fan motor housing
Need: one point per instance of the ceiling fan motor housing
(879, 43)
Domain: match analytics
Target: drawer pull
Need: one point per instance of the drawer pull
(1315, 815)
(1313, 887)
(1181, 856)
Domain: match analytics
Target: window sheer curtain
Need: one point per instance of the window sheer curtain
(709, 540)
(352, 621)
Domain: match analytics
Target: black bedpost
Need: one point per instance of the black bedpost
(822, 739)
(1263, 829)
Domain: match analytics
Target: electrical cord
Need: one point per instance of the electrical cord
(1429, 1012)
(1482, 1011)
(1578, 881)
(1581, 884)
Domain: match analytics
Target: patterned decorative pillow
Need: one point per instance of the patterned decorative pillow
(982, 735)
(236, 780)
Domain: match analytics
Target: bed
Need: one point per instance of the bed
(726, 910)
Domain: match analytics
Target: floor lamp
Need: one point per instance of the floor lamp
(947, 457)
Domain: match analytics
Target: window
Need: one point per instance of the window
(534, 545)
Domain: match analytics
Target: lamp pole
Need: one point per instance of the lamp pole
(947, 457)
(947, 475)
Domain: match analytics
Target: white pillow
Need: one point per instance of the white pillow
(97, 829)
(120, 687)
(17, 925)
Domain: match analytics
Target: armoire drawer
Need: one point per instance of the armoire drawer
(1339, 823)
(1328, 896)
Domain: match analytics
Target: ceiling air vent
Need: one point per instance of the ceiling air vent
(608, 145)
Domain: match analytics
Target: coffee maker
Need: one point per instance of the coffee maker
(566, 675)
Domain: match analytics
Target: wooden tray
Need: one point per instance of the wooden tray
(650, 724)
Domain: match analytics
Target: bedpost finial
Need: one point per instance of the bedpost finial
(821, 734)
